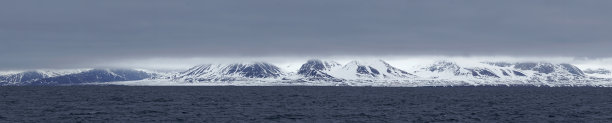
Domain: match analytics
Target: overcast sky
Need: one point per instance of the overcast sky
(64, 33)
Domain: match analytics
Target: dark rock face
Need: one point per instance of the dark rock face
(95, 75)
(368, 70)
(315, 68)
(487, 73)
(257, 70)
(573, 69)
(505, 73)
(363, 70)
(374, 71)
(518, 73)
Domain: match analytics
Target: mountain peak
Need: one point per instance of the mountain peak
(316, 68)
(373, 69)
(230, 72)
(253, 70)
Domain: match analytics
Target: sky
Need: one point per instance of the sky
(87, 33)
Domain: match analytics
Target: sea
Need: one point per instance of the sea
(303, 104)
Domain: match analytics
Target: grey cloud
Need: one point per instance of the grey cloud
(64, 33)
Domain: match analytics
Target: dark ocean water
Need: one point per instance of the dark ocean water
(304, 104)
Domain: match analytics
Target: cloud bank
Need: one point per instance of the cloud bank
(75, 33)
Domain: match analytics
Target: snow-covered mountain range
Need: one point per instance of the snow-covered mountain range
(493, 73)
(70, 77)
(322, 72)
